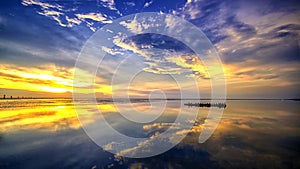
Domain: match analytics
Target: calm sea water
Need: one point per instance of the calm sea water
(252, 134)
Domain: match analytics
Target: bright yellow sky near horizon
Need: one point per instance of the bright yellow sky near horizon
(53, 81)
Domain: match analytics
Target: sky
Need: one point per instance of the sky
(257, 41)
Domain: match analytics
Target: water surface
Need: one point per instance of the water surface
(47, 134)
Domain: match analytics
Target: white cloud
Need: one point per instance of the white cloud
(139, 24)
(50, 12)
(130, 3)
(147, 4)
(111, 51)
(42, 4)
(57, 16)
(131, 46)
(57, 19)
(73, 20)
(64, 18)
(53, 11)
(191, 10)
(134, 26)
(93, 16)
(110, 4)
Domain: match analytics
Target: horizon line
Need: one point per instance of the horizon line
(108, 99)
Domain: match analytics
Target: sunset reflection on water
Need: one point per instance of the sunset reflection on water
(251, 134)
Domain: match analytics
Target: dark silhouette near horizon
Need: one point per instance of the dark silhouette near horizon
(219, 105)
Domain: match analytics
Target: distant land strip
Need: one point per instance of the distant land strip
(145, 99)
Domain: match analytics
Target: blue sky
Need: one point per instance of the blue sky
(257, 41)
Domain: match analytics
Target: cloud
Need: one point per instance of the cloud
(93, 16)
(48, 79)
(132, 4)
(69, 17)
(161, 57)
(59, 42)
(266, 47)
(41, 4)
(110, 4)
(190, 10)
(134, 26)
(53, 11)
(147, 4)
(73, 20)
(129, 45)
(241, 31)
(50, 12)
(111, 51)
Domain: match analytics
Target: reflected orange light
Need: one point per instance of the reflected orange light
(54, 117)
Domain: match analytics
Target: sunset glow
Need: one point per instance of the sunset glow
(132, 84)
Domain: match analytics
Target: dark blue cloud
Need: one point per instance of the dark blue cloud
(284, 47)
(239, 26)
(208, 20)
(271, 6)
(217, 17)
(28, 38)
(289, 30)
(160, 42)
